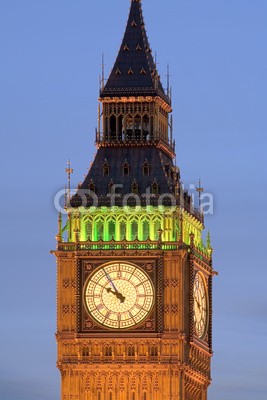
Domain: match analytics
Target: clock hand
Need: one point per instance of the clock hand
(198, 303)
(117, 294)
(111, 281)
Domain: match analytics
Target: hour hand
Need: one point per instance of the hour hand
(117, 294)
(198, 303)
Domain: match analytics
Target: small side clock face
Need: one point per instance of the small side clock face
(119, 295)
(200, 306)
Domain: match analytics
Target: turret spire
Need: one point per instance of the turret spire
(134, 72)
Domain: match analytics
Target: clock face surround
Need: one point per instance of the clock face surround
(119, 295)
(200, 306)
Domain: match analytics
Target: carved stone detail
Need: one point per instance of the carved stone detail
(65, 309)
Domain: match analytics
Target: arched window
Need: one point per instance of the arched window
(120, 125)
(88, 230)
(145, 229)
(135, 187)
(154, 351)
(110, 396)
(99, 230)
(111, 184)
(125, 168)
(151, 128)
(106, 126)
(137, 127)
(122, 230)
(85, 352)
(112, 127)
(144, 397)
(105, 168)
(131, 351)
(155, 188)
(133, 396)
(134, 230)
(129, 127)
(145, 127)
(111, 230)
(98, 396)
(157, 227)
(146, 168)
(108, 351)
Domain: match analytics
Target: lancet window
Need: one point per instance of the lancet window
(88, 230)
(145, 227)
(146, 168)
(125, 168)
(134, 230)
(99, 230)
(135, 187)
(108, 351)
(131, 351)
(134, 121)
(155, 188)
(154, 351)
(85, 352)
(111, 230)
(122, 230)
(105, 168)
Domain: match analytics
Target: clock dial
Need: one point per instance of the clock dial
(119, 295)
(200, 306)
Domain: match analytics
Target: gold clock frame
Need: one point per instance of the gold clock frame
(207, 318)
(105, 266)
(152, 324)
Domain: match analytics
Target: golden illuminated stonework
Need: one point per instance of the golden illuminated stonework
(134, 271)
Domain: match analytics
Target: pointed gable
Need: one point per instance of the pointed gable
(135, 56)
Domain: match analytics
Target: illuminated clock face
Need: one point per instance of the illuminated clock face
(119, 295)
(200, 306)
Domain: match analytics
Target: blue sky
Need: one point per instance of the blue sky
(50, 62)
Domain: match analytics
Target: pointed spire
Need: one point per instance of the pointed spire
(135, 55)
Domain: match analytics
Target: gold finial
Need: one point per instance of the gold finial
(59, 234)
(69, 171)
(200, 190)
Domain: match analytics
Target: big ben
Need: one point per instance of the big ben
(134, 276)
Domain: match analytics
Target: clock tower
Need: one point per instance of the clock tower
(134, 277)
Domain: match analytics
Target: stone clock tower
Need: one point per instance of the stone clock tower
(134, 278)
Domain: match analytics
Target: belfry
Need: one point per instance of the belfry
(134, 276)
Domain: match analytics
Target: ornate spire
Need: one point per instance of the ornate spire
(134, 72)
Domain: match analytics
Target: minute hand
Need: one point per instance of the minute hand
(111, 281)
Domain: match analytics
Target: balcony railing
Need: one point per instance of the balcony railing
(133, 136)
(114, 245)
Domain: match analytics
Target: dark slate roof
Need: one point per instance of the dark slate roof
(161, 171)
(134, 72)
